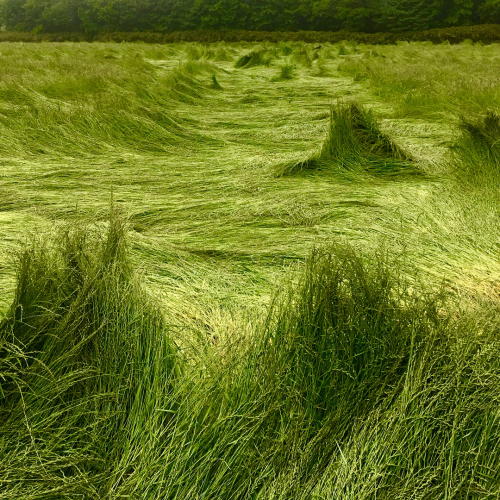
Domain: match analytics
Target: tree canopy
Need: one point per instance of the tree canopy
(96, 16)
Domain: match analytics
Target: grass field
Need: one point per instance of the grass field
(240, 271)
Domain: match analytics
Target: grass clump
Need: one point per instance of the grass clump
(322, 70)
(286, 73)
(479, 143)
(215, 84)
(354, 350)
(475, 155)
(303, 55)
(356, 143)
(257, 57)
(85, 360)
(343, 50)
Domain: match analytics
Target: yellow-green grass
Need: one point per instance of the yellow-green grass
(193, 166)
(190, 147)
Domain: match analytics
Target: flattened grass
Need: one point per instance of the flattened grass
(98, 401)
(357, 381)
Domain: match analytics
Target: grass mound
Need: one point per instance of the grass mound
(304, 56)
(351, 353)
(477, 150)
(287, 72)
(257, 57)
(356, 386)
(356, 143)
(85, 358)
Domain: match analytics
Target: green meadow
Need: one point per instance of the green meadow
(242, 271)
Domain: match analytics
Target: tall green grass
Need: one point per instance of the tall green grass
(83, 352)
(477, 150)
(422, 81)
(356, 143)
(358, 384)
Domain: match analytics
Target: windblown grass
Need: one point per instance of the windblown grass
(98, 402)
(367, 376)
(356, 143)
(257, 57)
(83, 352)
(286, 72)
(479, 146)
(421, 80)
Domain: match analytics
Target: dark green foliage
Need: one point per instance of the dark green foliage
(409, 15)
(367, 16)
(489, 11)
(356, 15)
(489, 33)
(355, 142)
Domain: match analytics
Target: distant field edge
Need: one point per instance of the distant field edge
(484, 33)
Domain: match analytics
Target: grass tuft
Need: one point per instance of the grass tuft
(286, 73)
(343, 50)
(84, 356)
(476, 153)
(356, 143)
(257, 57)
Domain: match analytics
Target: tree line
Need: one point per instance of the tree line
(369, 16)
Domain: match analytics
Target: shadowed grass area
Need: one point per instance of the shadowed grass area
(356, 143)
(286, 73)
(478, 150)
